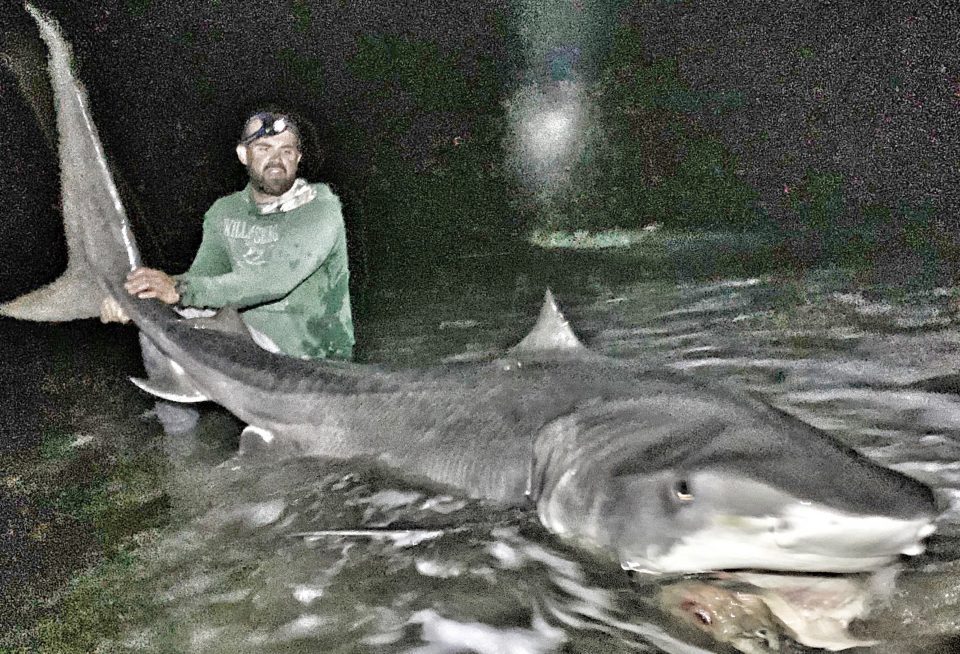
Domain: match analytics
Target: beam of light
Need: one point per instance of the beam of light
(565, 39)
(548, 127)
(551, 126)
(549, 133)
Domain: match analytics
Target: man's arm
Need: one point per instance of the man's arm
(144, 283)
(111, 311)
(211, 259)
(150, 283)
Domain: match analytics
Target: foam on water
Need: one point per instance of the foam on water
(506, 555)
(307, 594)
(438, 569)
(303, 626)
(253, 515)
(446, 635)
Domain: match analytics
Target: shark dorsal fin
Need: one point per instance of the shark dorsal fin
(552, 332)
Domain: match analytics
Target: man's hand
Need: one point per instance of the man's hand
(110, 311)
(150, 283)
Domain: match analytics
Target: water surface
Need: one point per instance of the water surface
(319, 556)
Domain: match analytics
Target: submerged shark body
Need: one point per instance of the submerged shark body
(661, 473)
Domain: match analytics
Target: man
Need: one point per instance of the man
(275, 250)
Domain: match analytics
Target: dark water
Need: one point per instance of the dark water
(313, 556)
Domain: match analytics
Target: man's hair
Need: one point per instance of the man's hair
(271, 122)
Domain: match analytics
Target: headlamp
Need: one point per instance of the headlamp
(270, 125)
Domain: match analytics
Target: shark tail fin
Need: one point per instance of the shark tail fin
(72, 296)
(100, 247)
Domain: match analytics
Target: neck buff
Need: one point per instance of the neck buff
(299, 194)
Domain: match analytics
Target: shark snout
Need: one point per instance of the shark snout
(736, 523)
(822, 531)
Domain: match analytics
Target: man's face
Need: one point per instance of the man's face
(271, 162)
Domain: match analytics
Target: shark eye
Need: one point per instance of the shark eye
(681, 490)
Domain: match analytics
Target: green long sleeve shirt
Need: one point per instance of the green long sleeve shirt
(286, 272)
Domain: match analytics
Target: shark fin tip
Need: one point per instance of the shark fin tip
(552, 333)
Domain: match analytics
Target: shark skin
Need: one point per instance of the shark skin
(650, 469)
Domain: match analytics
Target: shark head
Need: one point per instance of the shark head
(673, 483)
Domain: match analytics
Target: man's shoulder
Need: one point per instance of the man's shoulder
(324, 192)
(325, 200)
(229, 203)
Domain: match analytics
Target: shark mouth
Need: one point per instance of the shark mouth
(804, 538)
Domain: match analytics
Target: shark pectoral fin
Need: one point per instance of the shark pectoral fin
(165, 377)
(254, 438)
(180, 391)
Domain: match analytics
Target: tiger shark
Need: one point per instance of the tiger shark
(654, 470)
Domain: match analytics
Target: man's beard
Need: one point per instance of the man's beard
(269, 185)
